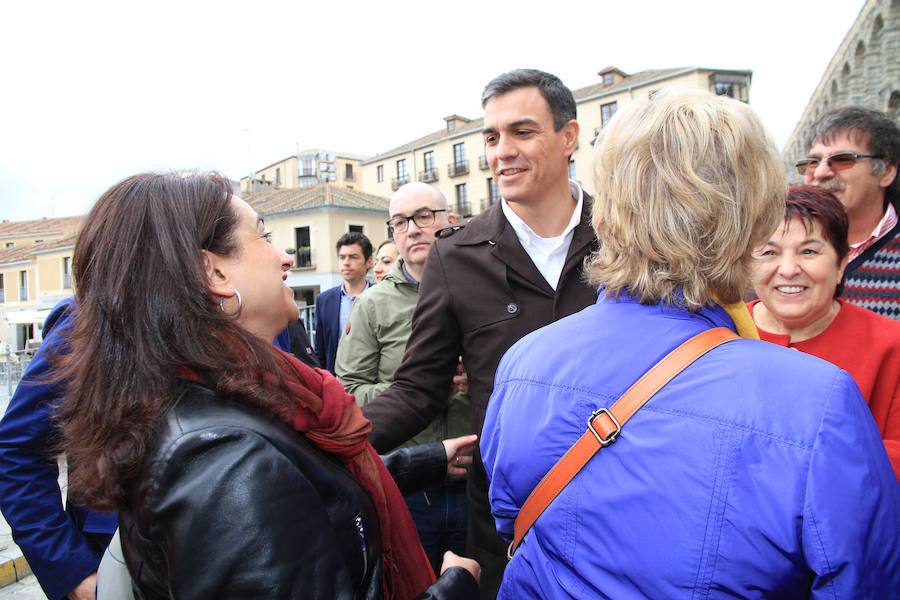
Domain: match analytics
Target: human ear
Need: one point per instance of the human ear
(890, 172)
(217, 278)
(570, 135)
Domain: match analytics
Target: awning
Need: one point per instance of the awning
(21, 317)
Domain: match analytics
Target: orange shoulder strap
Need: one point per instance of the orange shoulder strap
(605, 425)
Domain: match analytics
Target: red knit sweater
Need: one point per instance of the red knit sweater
(867, 346)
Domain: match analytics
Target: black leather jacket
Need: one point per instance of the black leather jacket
(231, 504)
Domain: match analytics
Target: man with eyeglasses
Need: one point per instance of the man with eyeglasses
(512, 269)
(373, 344)
(854, 152)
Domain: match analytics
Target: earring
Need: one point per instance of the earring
(239, 306)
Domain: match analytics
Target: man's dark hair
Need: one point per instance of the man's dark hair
(557, 95)
(355, 237)
(882, 131)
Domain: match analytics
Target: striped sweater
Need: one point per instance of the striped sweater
(872, 280)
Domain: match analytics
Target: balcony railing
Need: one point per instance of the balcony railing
(461, 209)
(483, 163)
(486, 203)
(428, 175)
(459, 168)
(397, 182)
(303, 258)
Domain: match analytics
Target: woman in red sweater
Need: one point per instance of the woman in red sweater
(799, 275)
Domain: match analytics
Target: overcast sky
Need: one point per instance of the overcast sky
(95, 91)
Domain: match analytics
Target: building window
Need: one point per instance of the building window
(733, 86)
(459, 165)
(607, 79)
(278, 176)
(429, 174)
(462, 200)
(2, 289)
(493, 196)
(303, 258)
(308, 165)
(607, 111)
(10, 244)
(348, 172)
(493, 191)
(402, 173)
(380, 171)
(23, 285)
(571, 169)
(451, 125)
(459, 153)
(67, 272)
(355, 229)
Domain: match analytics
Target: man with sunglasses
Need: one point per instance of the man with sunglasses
(512, 269)
(854, 152)
(373, 344)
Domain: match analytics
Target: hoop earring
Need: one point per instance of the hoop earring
(239, 306)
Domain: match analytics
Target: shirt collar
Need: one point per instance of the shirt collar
(524, 231)
(344, 290)
(887, 222)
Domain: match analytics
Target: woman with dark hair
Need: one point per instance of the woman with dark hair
(799, 274)
(238, 471)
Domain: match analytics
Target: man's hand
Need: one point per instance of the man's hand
(460, 379)
(459, 453)
(86, 590)
(453, 560)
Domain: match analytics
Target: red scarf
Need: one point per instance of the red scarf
(329, 418)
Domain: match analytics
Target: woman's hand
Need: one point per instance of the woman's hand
(459, 453)
(454, 560)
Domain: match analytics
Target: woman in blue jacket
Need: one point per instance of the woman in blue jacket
(755, 473)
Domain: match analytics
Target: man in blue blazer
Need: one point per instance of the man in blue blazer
(333, 305)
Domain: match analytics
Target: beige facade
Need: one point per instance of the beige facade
(307, 222)
(453, 159)
(304, 169)
(35, 274)
(865, 71)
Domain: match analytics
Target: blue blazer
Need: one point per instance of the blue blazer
(328, 334)
(62, 547)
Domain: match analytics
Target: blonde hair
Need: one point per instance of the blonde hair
(686, 183)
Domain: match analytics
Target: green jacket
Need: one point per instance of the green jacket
(372, 347)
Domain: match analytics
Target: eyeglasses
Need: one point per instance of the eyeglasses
(422, 218)
(836, 162)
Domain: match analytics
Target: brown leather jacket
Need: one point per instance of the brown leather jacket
(479, 295)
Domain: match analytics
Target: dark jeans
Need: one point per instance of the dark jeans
(440, 515)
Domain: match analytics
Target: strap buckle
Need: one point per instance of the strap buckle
(613, 435)
(509, 550)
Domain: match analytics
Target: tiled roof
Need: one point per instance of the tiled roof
(271, 202)
(627, 82)
(59, 225)
(461, 129)
(27, 251)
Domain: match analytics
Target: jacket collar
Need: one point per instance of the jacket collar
(715, 314)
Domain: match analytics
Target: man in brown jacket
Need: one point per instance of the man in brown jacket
(511, 270)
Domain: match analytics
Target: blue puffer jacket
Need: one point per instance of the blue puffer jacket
(758, 472)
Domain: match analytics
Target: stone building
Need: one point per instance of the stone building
(865, 71)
